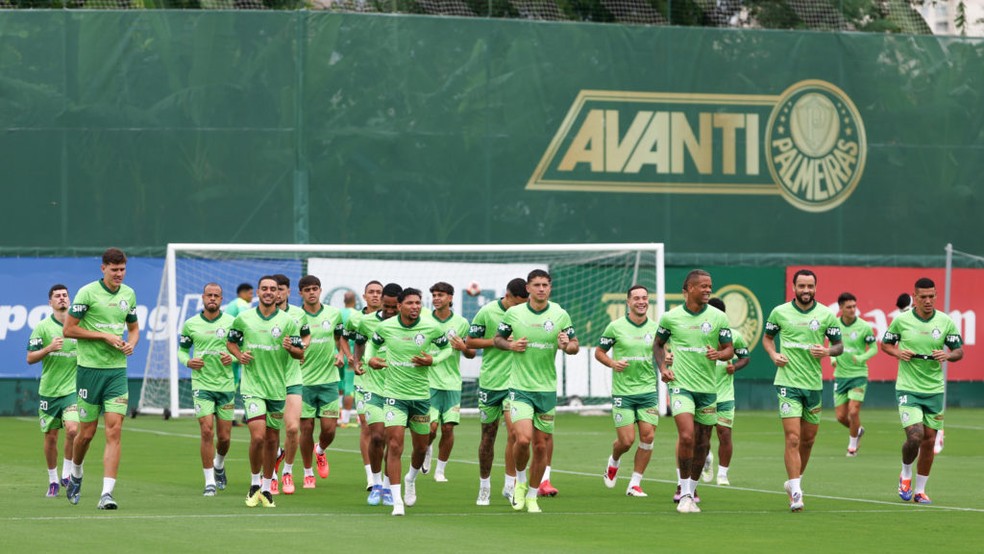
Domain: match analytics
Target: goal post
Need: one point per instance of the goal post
(589, 281)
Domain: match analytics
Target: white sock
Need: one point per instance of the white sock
(52, 475)
(722, 471)
(906, 471)
(265, 486)
(636, 480)
(794, 485)
(920, 483)
(369, 474)
(218, 461)
(318, 450)
(685, 487)
(546, 474)
(255, 479)
(532, 493)
(510, 481)
(520, 476)
(485, 483)
(441, 464)
(108, 484)
(288, 468)
(309, 472)
(397, 496)
(386, 482)
(76, 470)
(612, 461)
(852, 443)
(377, 478)
(209, 476)
(66, 468)
(346, 416)
(412, 474)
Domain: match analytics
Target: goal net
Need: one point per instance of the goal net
(589, 281)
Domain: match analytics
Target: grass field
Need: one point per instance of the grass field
(851, 503)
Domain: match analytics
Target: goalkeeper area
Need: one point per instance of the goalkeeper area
(590, 281)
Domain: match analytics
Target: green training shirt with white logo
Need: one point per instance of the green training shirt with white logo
(496, 364)
(859, 347)
(922, 374)
(726, 382)
(447, 374)
(798, 330)
(325, 327)
(372, 380)
(632, 343)
(58, 367)
(99, 309)
(208, 338)
(405, 381)
(265, 376)
(535, 369)
(689, 334)
(237, 307)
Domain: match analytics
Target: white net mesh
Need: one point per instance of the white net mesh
(589, 281)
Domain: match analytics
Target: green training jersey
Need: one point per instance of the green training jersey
(535, 370)
(447, 374)
(496, 364)
(265, 376)
(372, 380)
(922, 374)
(294, 375)
(798, 330)
(726, 382)
(237, 307)
(689, 334)
(859, 347)
(99, 309)
(632, 343)
(57, 367)
(405, 381)
(208, 338)
(350, 320)
(319, 357)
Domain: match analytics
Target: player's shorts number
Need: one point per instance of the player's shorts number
(903, 399)
(782, 391)
(617, 401)
(391, 401)
(367, 396)
(83, 393)
(44, 405)
(483, 397)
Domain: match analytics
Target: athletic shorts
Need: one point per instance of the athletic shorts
(360, 400)
(414, 414)
(348, 381)
(297, 390)
(320, 401)
(799, 403)
(726, 413)
(375, 408)
(101, 390)
(53, 411)
(916, 408)
(491, 404)
(208, 402)
(541, 407)
(630, 408)
(271, 410)
(445, 406)
(703, 405)
(852, 388)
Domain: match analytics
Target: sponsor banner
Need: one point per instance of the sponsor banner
(877, 289)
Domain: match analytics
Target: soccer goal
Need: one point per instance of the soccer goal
(589, 280)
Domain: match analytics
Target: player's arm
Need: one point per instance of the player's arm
(662, 360)
(372, 349)
(891, 344)
(36, 349)
(605, 343)
(725, 350)
(567, 341)
(741, 351)
(769, 343)
(132, 333)
(72, 330)
(444, 352)
(503, 341)
(234, 341)
(476, 334)
(954, 343)
(870, 349)
(185, 344)
(835, 346)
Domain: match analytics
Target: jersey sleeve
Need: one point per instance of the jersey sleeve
(833, 331)
(36, 341)
(505, 328)
(185, 342)
(953, 340)
(894, 332)
(741, 348)
(131, 316)
(479, 325)
(663, 330)
(724, 331)
(80, 306)
(235, 334)
(567, 326)
(607, 339)
(772, 326)
(295, 332)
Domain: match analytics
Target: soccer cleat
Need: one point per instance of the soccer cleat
(635, 490)
(266, 499)
(74, 489)
(64, 481)
(368, 484)
(938, 445)
(921, 498)
(518, 499)
(852, 452)
(696, 497)
(484, 496)
(52, 490)
(611, 474)
(106, 502)
(288, 480)
(387, 497)
(309, 482)
(795, 499)
(253, 496)
(209, 490)
(546, 489)
(322, 460)
(722, 481)
(281, 454)
(507, 492)
(274, 488)
(532, 506)
(220, 479)
(375, 495)
(428, 459)
(677, 496)
(440, 478)
(708, 472)
(398, 510)
(409, 492)
(687, 505)
(905, 489)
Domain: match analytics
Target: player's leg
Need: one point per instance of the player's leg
(840, 402)
(522, 427)
(546, 488)
(725, 451)
(114, 408)
(684, 411)
(90, 383)
(206, 428)
(854, 419)
(449, 417)
(644, 452)
(328, 416)
(70, 421)
(509, 456)
(292, 430)
(360, 410)
(306, 441)
(271, 443)
(225, 417)
(51, 459)
(810, 424)
(395, 435)
(256, 424)
(624, 419)
(419, 424)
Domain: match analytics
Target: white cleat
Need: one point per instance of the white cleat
(635, 490)
(398, 510)
(722, 480)
(507, 492)
(409, 492)
(610, 476)
(428, 459)
(484, 496)
(440, 478)
(687, 505)
(708, 472)
(795, 500)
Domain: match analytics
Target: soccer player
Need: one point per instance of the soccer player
(407, 388)
(264, 340)
(851, 369)
(243, 300)
(625, 347)
(919, 338)
(102, 313)
(725, 405)
(347, 390)
(493, 388)
(445, 378)
(539, 328)
(372, 294)
(212, 383)
(802, 326)
(700, 336)
(58, 406)
(324, 356)
(295, 392)
(373, 384)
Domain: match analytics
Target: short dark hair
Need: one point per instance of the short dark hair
(308, 281)
(925, 283)
(282, 280)
(538, 273)
(903, 301)
(409, 291)
(113, 256)
(373, 282)
(392, 290)
(59, 286)
(693, 276)
(211, 284)
(717, 303)
(635, 287)
(807, 273)
(517, 288)
(845, 297)
(441, 286)
(265, 278)
(243, 287)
